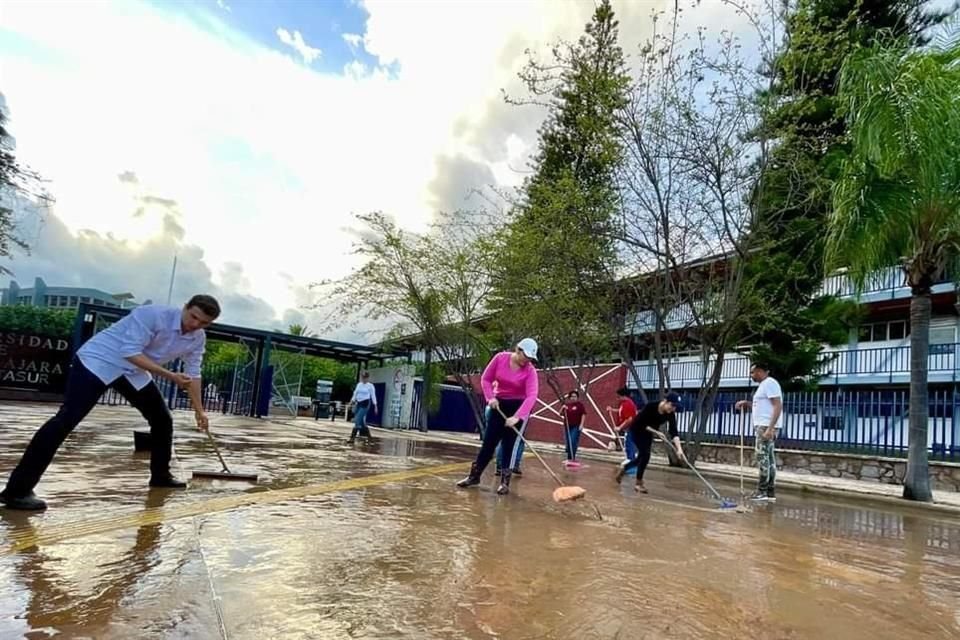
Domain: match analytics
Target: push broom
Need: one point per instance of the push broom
(563, 493)
(724, 502)
(225, 473)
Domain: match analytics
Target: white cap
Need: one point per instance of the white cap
(529, 347)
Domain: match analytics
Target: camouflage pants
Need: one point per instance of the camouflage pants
(766, 462)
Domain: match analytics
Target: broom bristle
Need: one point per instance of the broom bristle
(565, 494)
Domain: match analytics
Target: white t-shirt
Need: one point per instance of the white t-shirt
(762, 407)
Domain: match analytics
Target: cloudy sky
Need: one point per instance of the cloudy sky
(242, 135)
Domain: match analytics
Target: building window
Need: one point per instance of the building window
(898, 330)
(73, 301)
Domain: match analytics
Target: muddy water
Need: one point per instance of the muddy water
(419, 559)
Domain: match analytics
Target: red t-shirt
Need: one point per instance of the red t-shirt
(575, 412)
(627, 410)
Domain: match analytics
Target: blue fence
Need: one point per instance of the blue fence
(865, 422)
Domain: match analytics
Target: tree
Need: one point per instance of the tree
(787, 315)
(556, 258)
(301, 330)
(897, 200)
(430, 287)
(19, 186)
(689, 169)
(41, 320)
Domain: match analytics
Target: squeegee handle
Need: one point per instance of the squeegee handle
(216, 450)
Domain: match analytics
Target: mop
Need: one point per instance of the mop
(562, 493)
(225, 473)
(724, 502)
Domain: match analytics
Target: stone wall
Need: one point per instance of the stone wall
(945, 476)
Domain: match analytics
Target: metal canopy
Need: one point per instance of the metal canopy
(340, 351)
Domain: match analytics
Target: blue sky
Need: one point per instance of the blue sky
(321, 24)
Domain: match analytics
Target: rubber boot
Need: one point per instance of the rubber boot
(504, 487)
(472, 479)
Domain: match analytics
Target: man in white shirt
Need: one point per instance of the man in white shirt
(767, 407)
(123, 357)
(364, 398)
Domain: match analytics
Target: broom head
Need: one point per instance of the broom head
(566, 494)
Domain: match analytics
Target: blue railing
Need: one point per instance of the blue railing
(848, 366)
(864, 422)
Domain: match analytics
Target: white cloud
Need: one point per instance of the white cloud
(353, 39)
(266, 158)
(295, 40)
(224, 6)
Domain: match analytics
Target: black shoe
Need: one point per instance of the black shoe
(472, 479)
(518, 473)
(167, 482)
(504, 487)
(29, 502)
(497, 472)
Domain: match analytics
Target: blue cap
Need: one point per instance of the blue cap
(674, 399)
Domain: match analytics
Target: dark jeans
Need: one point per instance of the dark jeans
(83, 392)
(643, 440)
(499, 433)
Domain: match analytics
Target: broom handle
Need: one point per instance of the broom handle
(692, 468)
(216, 450)
(742, 493)
(527, 443)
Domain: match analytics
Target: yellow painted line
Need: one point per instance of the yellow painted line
(22, 540)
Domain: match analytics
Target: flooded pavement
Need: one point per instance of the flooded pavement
(373, 541)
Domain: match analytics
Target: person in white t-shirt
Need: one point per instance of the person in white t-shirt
(767, 407)
(364, 398)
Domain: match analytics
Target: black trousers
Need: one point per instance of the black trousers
(644, 442)
(499, 433)
(83, 392)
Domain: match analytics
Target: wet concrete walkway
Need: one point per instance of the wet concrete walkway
(946, 501)
(373, 541)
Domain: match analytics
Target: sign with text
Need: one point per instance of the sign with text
(33, 362)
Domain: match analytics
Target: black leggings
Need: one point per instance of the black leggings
(83, 393)
(499, 433)
(644, 443)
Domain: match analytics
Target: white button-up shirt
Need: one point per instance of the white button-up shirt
(151, 330)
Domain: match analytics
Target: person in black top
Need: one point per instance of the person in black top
(651, 416)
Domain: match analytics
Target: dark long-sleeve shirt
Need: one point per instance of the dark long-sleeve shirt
(650, 416)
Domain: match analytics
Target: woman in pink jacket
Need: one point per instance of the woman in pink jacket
(517, 391)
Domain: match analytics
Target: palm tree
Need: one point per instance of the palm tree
(897, 201)
(301, 330)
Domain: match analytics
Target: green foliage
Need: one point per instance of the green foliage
(41, 320)
(793, 194)
(898, 198)
(431, 288)
(556, 260)
(18, 184)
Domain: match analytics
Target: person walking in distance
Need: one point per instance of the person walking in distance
(767, 408)
(125, 357)
(364, 398)
(517, 391)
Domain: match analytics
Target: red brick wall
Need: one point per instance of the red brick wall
(603, 381)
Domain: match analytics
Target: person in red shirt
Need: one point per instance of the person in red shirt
(572, 412)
